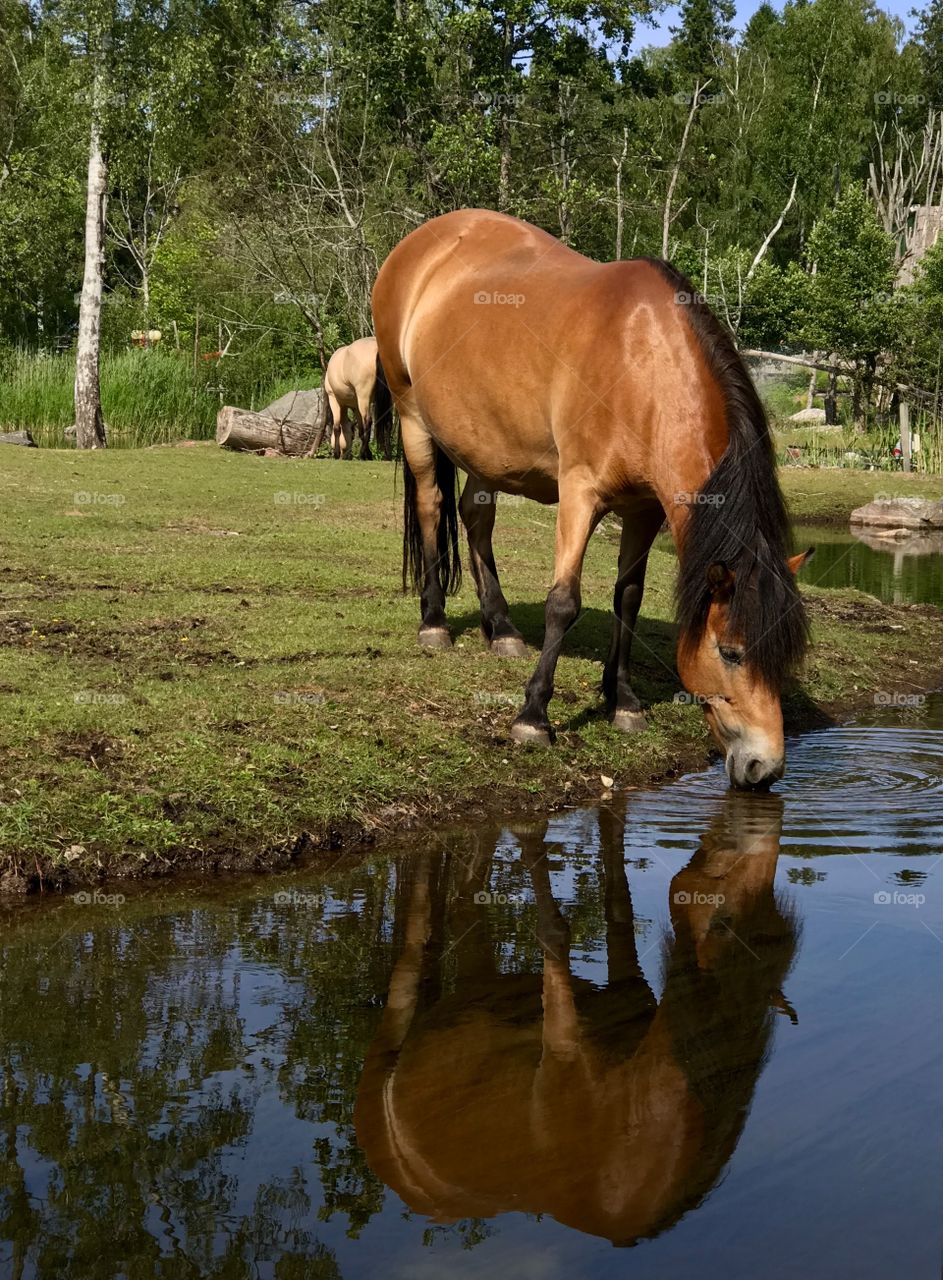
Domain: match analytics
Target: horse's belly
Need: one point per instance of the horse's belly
(519, 457)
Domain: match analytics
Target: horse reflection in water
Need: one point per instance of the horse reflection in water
(610, 1110)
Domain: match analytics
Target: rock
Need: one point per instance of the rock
(297, 406)
(18, 437)
(808, 415)
(900, 513)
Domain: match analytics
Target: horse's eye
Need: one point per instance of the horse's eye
(733, 656)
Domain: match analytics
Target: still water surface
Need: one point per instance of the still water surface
(898, 571)
(684, 1033)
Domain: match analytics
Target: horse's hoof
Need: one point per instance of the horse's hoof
(508, 647)
(435, 638)
(530, 733)
(628, 721)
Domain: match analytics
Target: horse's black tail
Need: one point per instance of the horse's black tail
(448, 560)
(383, 414)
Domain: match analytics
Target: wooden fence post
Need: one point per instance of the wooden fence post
(905, 434)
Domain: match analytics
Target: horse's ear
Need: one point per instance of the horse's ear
(720, 581)
(795, 563)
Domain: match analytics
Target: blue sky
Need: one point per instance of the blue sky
(659, 33)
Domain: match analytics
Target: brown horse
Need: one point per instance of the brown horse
(611, 1111)
(352, 386)
(605, 388)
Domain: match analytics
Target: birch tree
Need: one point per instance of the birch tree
(89, 423)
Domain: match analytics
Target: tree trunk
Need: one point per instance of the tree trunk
(831, 406)
(810, 390)
(672, 183)
(241, 430)
(504, 120)
(620, 203)
(89, 425)
(504, 170)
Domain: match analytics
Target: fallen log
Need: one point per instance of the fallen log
(18, 437)
(239, 429)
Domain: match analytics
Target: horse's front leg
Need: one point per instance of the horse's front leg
(477, 509)
(579, 513)
(638, 533)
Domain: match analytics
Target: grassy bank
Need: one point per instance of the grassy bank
(206, 660)
(829, 495)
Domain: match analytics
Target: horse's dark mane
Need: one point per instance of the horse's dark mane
(740, 519)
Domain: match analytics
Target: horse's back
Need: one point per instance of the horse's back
(353, 367)
(458, 264)
(511, 349)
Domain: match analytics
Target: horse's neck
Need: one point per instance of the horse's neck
(679, 489)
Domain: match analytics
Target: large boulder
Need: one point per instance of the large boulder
(296, 406)
(900, 513)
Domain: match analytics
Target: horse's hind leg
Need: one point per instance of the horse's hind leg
(350, 433)
(638, 533)
(580, 512)
(338, 425)
(430, 510)
(365, 425)
(477, 509)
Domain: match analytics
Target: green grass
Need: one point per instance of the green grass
(148, 397)
(194, 667)
(829, 495)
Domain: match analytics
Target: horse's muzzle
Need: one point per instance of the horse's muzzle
(753, 773)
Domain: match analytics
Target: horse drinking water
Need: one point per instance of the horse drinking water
(603, 387)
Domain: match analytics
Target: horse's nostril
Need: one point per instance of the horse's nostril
(761, 773)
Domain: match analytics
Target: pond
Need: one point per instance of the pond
(702, 1025)
(898, 571)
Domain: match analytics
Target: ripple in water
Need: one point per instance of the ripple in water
(859, 789)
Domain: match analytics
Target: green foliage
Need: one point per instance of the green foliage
(770, 305)
(266, 157)
(929, 47)
(705, 26)
(918, 327)
(845, 304)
